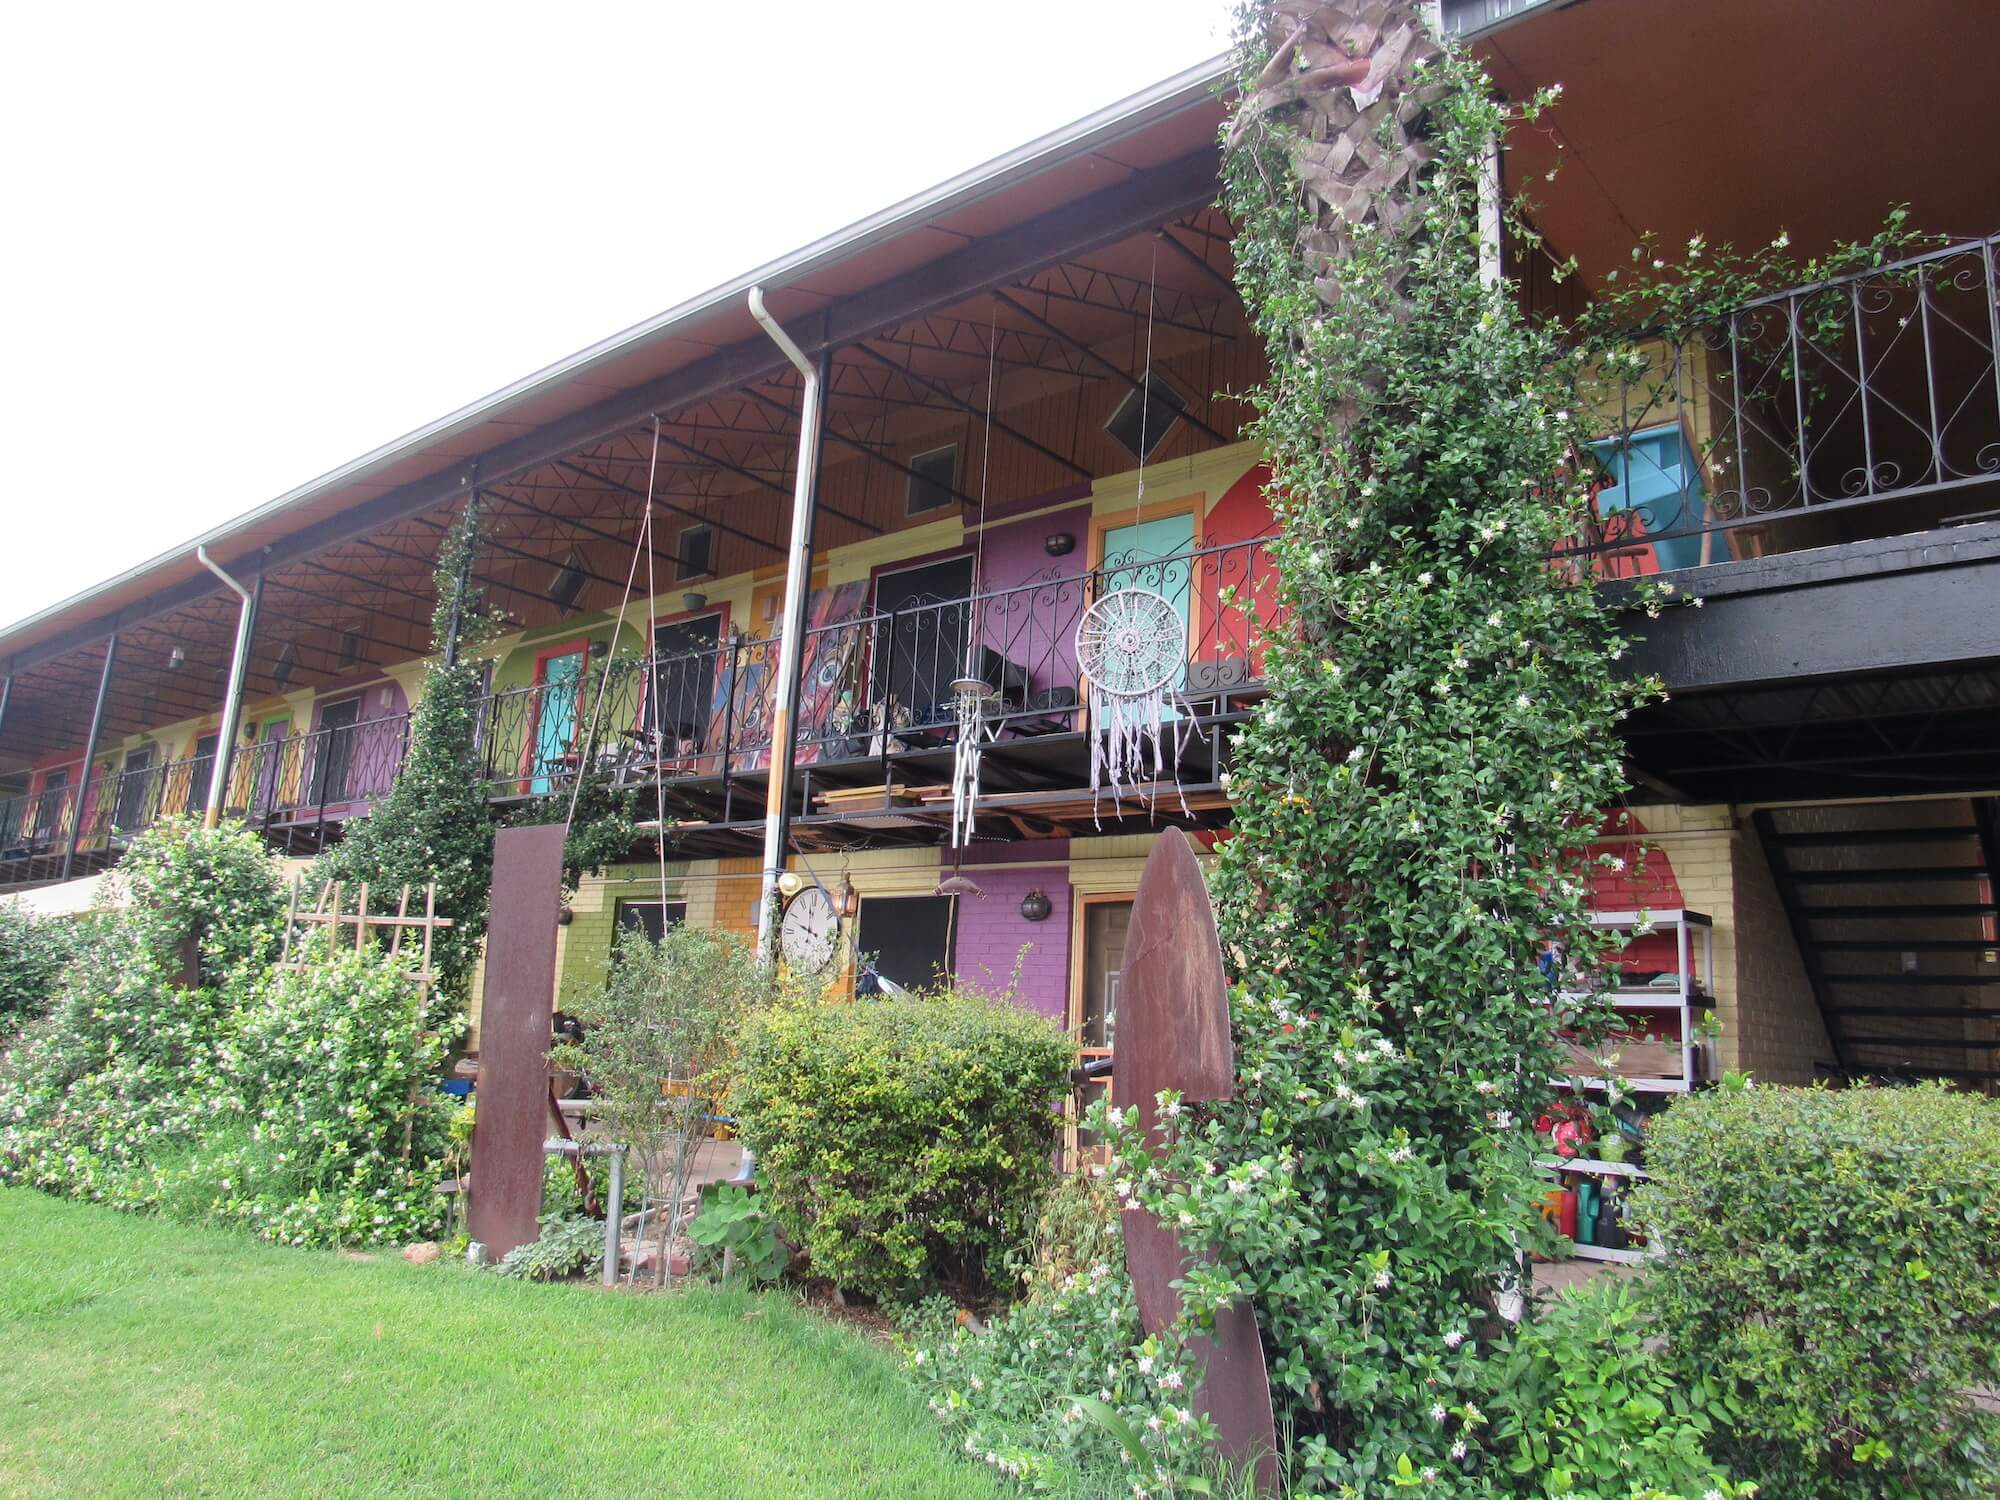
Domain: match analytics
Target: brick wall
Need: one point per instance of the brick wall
(1779, 1035)
(993, 937)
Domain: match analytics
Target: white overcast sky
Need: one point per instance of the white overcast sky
(240, 246)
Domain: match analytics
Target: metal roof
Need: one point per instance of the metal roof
(1027, 180)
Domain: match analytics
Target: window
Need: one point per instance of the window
(934, 476)
(350, 646)
(694, 557)
(1139, 427)
(1097, 971)
(909, 937)
(567, 583)
(651, 917)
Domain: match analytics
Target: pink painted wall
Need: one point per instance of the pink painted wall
(1035, 628)
(992, 931)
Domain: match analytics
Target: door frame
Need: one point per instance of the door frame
(579, 646)
(315, 790)
(1080, 903)
(958, 553)
(682, 617)
(1193, 504)
(269, 794)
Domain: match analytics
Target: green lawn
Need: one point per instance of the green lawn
(139, 1357)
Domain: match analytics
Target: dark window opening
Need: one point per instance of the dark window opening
(684, 663)
(909, 938)
(651, 917)
(1139, 427)
(936, 474)
(695, 557)
(567, 584)
(920, 639)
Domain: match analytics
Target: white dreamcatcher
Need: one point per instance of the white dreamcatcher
(1130, 646)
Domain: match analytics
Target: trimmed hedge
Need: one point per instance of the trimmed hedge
(904, 1144)
(1833, 1261)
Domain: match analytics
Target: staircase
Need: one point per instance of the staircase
(1892, 907)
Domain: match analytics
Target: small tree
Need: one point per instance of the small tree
(658, 1044)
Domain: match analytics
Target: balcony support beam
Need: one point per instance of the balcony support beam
(791, 648)
(82, 802)
(232, 698)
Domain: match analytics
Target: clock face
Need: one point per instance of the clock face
(811, 930)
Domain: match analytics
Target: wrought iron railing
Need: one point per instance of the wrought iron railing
(877, 684)
(306, 780)
(1767, 429)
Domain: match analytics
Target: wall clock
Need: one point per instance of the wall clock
(811, 930)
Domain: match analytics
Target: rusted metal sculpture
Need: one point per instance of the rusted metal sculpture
(1173, 1033)
(514, 1031)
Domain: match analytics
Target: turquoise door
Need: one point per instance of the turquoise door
(1154, 555)
(555, 718)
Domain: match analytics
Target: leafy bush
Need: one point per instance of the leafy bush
(736, 1235)
(34, 952)
(904, 1144)
(565, 1246)
(1832, 1261)
(1038, 1395)
(1582, 1406)
(296, 1103)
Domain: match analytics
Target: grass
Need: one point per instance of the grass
(140, 1357)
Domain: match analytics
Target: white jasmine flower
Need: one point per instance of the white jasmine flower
(1382, 1280)
(1522, 700)
(1145, 1364)
(1438, 1412)
(1458, 1449)
(1354, 755)
(1453, 1339)
(1423, 580)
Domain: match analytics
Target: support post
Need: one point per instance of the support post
(461, 581)
(791, 647)
(614, 1216)
(89, 755)
(6, 692)
(1491, 243)
(232, 698)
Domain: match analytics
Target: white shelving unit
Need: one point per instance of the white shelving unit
(1694, 992)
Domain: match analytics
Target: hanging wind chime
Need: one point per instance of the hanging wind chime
(971, 693)
(1131, 647)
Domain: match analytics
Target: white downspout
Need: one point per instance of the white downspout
(790, 643)
(232, 699)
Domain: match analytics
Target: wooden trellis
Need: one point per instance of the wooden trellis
(329, 912)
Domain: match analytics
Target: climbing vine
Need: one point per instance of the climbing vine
(436, 823)
(1415, 796)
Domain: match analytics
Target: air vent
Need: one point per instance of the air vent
(932, 479)
(567, 583)
(695, 557)
(1139, 426)
(286, 664)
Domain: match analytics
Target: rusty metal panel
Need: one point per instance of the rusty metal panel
(1173, 1033)
(514, 1035)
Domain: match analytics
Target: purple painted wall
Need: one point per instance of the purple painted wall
(992, 931)
(1035, 628)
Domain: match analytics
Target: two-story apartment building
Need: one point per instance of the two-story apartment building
(1030, 381)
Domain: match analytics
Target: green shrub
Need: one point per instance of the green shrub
(1580, 1405)
(904, 1144)
(34, 952)
(1832, 1261)
(298, 1104)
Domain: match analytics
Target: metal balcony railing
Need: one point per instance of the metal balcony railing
(877, 685)
(1774, 426)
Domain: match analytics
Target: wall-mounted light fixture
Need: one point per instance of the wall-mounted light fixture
(564, 917)
(1035, 906)
(598, 650)
(1059, 544)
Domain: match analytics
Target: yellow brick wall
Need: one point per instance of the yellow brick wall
(1764, 1006)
